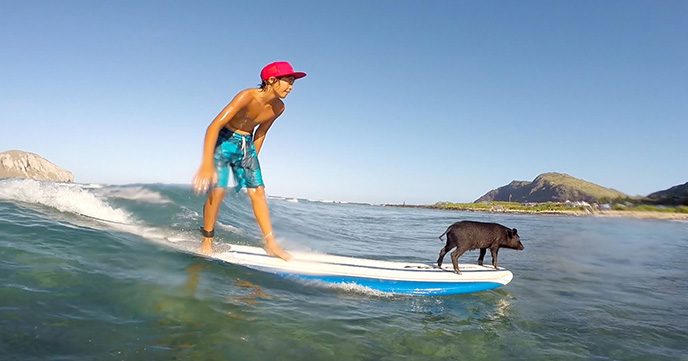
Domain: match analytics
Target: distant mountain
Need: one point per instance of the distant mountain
(18, 164)
(674, 195)
(551, 187)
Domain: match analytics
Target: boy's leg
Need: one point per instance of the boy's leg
(260, 209)
(210, 213)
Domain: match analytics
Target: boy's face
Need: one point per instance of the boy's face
(282, 86)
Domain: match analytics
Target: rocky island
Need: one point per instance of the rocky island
(19, 164)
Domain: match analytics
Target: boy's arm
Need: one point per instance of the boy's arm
(259, 135)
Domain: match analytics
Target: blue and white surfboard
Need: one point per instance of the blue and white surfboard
(384, 276)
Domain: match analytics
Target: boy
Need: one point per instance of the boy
(231, 142)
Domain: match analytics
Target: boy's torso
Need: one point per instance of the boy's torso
(255, 113)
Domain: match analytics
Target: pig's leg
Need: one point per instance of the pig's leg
(494, 251)
(444, 251)
(455, 258)
(482, 256)
(451, 243)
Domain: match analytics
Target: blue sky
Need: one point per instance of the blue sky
(405, 101)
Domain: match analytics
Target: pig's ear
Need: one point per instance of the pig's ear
(514, 230)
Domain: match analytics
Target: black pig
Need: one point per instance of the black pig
(468, 235)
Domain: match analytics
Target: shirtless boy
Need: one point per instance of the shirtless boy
(233, 140)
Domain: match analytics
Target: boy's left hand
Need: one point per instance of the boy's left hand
(204, 180)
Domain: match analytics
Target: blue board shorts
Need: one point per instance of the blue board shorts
(237, 151)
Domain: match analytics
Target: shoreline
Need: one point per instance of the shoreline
(674, 216)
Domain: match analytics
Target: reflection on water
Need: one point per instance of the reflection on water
(193, 272)
(502, 309)
(186, 302)
(255, 293)
(192, 319)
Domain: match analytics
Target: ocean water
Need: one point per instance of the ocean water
(86, 274)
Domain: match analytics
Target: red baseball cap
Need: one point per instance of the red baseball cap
(278, 69)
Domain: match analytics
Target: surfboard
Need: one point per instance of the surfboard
(385, 276)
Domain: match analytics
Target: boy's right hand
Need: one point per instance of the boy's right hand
(205, 179)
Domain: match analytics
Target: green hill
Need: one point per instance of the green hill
(674, 195)
(551, 187)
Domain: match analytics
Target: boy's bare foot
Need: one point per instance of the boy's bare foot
(273, 249)
(278, 252)
(206, 246)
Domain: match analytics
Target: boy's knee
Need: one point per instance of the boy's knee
(258, 192)
(216, 194)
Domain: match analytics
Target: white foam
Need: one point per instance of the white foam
(85, 200)
(65, 197)
(349, 288)
(134, 193)
(228, 227)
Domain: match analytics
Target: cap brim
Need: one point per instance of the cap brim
(296, 75)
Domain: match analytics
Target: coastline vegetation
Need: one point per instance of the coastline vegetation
(558, 193)
(651, 208)
(558, 207)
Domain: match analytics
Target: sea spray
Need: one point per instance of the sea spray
(64, 197)
(90, 206)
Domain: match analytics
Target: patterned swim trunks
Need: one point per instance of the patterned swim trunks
(237, 151)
